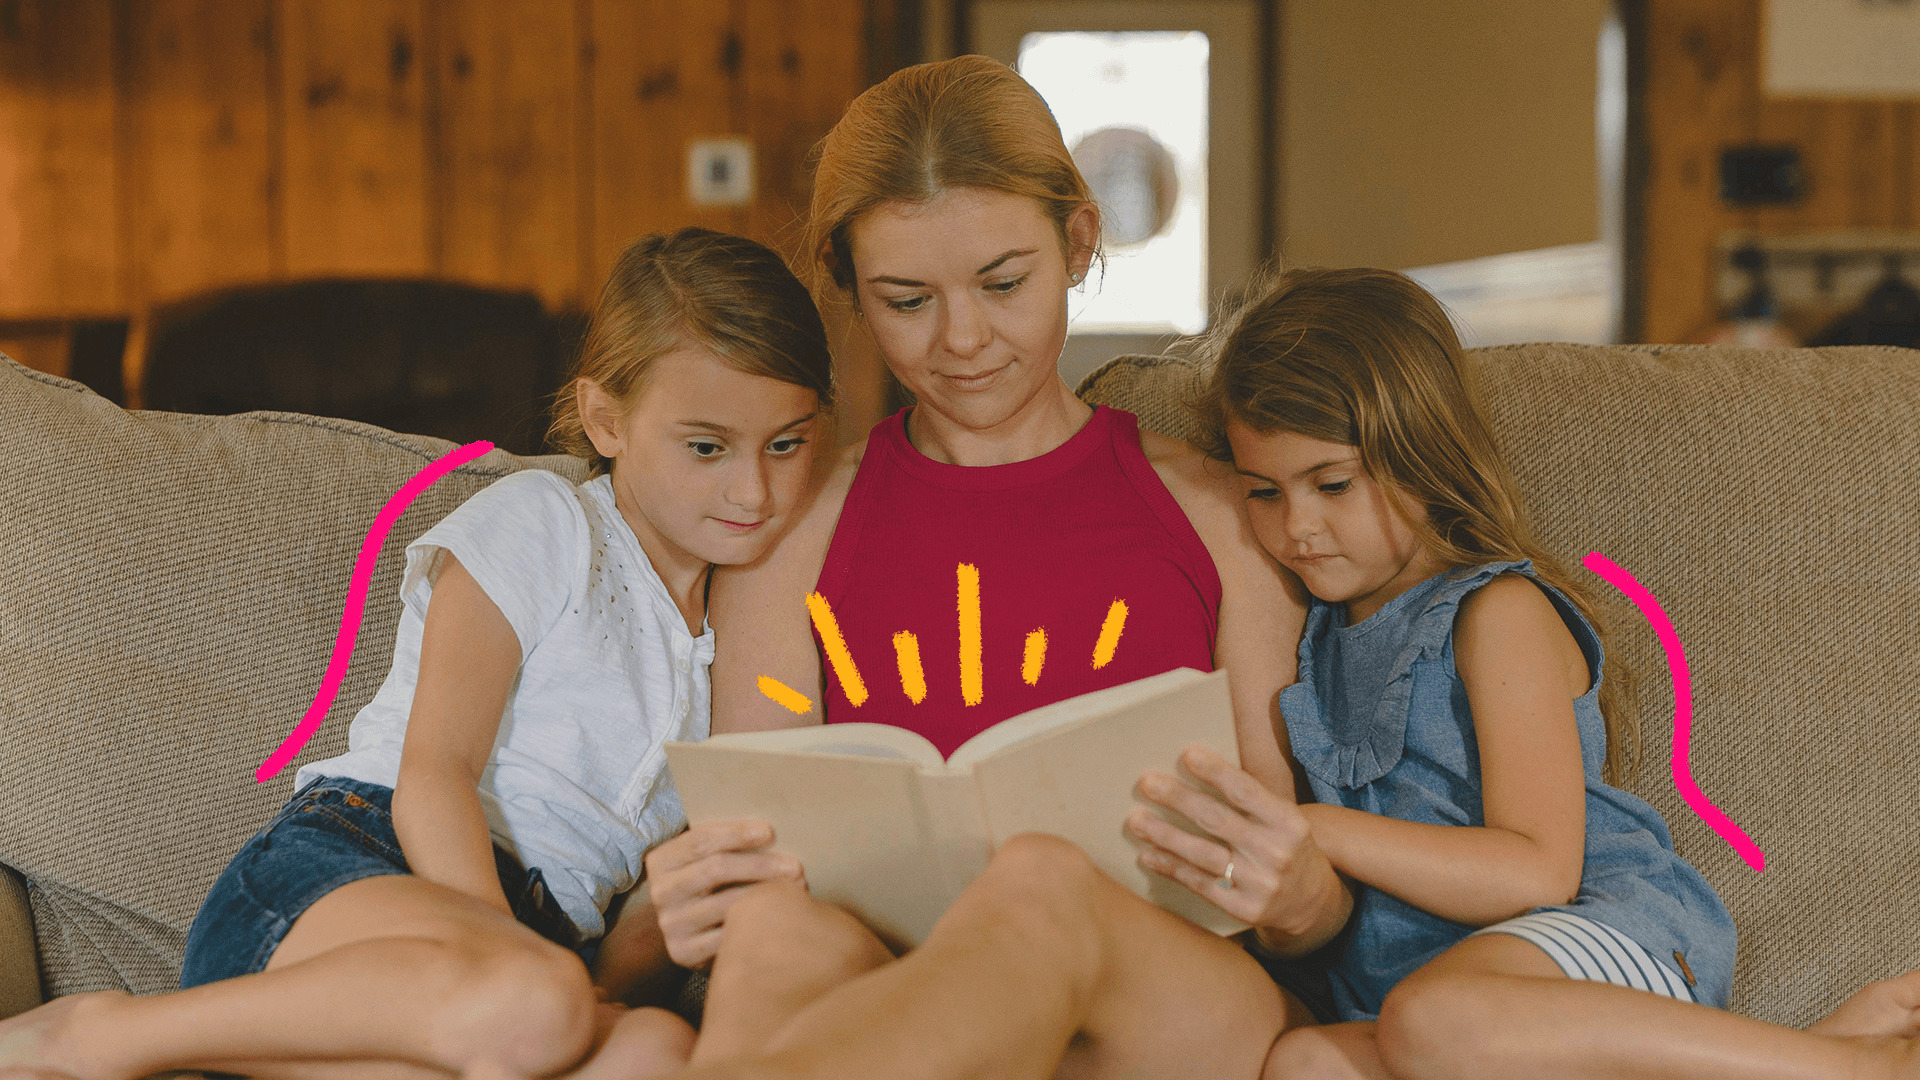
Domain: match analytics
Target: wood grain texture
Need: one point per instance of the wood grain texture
(509, 101)
(155, 149)
(356, 137)
(196, 148)
(59, 196)
(665, 73)
(1703, 95)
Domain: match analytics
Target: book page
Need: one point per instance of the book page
(877, 836)
(1077, 782)
(1060, 714)
(869, 740)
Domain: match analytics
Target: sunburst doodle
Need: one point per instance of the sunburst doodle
(906, 650)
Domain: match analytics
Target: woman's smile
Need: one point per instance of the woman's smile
(979, 380)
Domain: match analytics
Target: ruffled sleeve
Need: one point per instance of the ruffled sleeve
(1356, 750)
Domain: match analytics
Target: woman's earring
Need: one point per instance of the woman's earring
(1077, 277)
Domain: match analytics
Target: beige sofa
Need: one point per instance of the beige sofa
(170, 588)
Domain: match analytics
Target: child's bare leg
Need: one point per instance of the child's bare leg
(1327, 1052)
(1042, 958)
(780, 951)
(1495, 1006)
(390, 969)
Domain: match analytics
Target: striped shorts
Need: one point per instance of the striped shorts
(1590, 950)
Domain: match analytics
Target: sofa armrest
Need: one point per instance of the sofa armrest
(19, 959)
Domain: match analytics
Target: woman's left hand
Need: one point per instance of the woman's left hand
(1259, 863)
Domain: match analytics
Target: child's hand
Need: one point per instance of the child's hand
(1279, 879)
(693, 877)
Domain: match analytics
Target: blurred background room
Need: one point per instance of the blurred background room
(398, 211)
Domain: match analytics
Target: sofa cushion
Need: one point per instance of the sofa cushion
(1770, 499)
(174, 585)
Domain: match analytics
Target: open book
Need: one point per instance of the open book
(888, 831)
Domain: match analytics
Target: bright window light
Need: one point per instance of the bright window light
(1132, 106)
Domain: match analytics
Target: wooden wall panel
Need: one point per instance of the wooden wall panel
(665, 73)
(1703, 95)
(155, 149)
(356, 136)
(509, 105)
(804, 63)
(59, 200)
(197, 93)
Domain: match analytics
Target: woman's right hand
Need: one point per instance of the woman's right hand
(695, 877)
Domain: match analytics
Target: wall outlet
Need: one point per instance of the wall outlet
(720, 172)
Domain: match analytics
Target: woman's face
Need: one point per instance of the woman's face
(966, 297)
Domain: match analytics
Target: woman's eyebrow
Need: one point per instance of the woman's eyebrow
(995, 264)
(884, 279)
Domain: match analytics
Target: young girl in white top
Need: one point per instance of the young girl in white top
(428, 903)
(1515, 914)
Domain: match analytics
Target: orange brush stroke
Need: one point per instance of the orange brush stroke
(972, 689)
(1035, 657)
(836, 646)
(1110, 634)
(794, 700)
(913, 678)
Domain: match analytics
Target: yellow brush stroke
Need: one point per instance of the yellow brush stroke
(786, 695)
(837, 654)
(1110, 634)
(1036, 656)
(971, 690)
(913, 678)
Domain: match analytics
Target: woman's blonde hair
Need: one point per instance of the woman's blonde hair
(1366, 358)
(965, 122)
(723, 293)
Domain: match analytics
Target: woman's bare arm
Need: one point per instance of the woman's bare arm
(468, 657)
(759, 614)
(761, 628)
(1262, 612)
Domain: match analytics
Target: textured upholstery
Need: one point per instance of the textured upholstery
(174, 583)
(173, 588)
(1770, 499)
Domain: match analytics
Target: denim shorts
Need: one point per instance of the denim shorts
(331, 832)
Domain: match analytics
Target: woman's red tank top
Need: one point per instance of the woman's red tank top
(1054, 542)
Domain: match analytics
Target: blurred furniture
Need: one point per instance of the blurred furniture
(175, 586)
(453, 361)
(1828, 286)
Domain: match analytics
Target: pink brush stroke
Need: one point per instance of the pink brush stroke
(1715, 818)
(357, 601)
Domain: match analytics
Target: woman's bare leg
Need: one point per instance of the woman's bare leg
(780, 951)
(391, 969)
(1495, 1007)
(1043, 966)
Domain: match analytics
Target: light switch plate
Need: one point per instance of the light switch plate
(720, 172)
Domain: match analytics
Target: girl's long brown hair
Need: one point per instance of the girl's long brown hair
(1368, 359)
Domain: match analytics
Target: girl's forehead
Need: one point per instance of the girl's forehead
(1281, 455)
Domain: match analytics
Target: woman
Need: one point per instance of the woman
(948, 212)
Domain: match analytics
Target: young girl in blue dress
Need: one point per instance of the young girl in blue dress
(424, 905)
(1515, 914)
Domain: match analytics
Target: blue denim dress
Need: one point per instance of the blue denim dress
(1379, 720)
